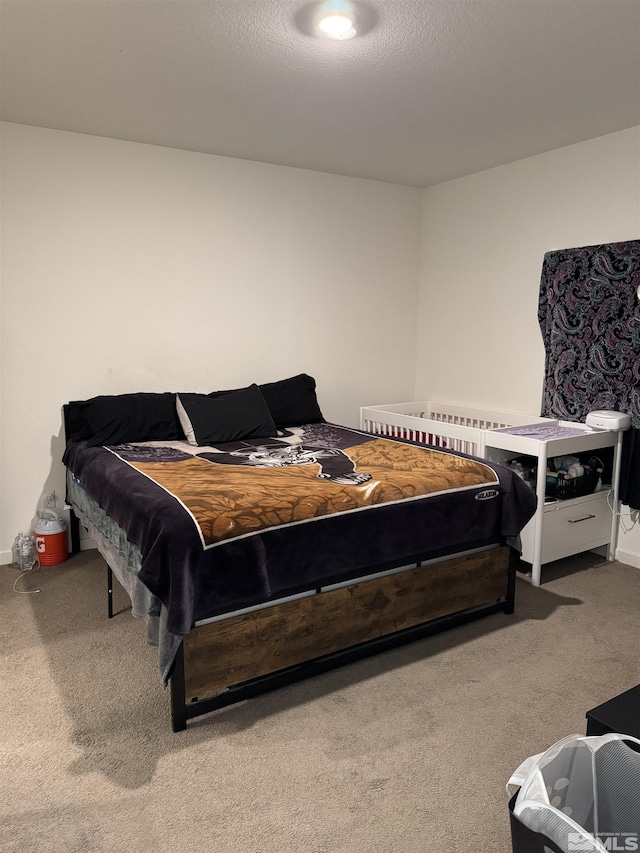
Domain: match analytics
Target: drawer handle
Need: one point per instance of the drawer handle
(578, 520)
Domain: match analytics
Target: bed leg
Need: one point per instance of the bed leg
(510, 601)
(74, 530)
(110, 592)
(178, 697)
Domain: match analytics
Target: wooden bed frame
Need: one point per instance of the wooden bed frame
(236, 658)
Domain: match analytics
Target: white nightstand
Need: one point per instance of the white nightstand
(564, 527)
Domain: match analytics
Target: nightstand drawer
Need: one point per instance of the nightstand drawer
(569, 527)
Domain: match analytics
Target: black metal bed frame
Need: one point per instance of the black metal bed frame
(182, 711)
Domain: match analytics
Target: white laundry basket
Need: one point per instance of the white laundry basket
(582, 794)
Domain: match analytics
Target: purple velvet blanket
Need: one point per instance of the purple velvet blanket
(233, 525)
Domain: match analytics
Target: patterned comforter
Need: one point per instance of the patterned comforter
(229, 526)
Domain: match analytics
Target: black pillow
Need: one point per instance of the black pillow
(226, 417)
(76, 425)
(122, 418)
(293, 401)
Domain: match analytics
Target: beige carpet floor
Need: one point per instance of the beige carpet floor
(405, 752)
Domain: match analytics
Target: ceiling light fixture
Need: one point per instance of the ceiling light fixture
(337, 21)
(337, 27)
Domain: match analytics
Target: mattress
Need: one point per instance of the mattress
(219, 528)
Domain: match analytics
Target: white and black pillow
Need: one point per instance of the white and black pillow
(226, 417)
(292, 402)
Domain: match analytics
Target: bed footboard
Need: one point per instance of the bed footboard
(232, 659)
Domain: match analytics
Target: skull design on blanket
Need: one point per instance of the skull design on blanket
(334, 464)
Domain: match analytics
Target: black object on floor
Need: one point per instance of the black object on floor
(620, 714)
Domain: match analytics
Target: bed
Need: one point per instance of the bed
(262, 544)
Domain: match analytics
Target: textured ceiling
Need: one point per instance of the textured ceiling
(433, 89)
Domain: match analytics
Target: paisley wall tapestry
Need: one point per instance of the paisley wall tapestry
(589, 315)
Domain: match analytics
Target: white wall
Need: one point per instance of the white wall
(483, 242)
(129, 267)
